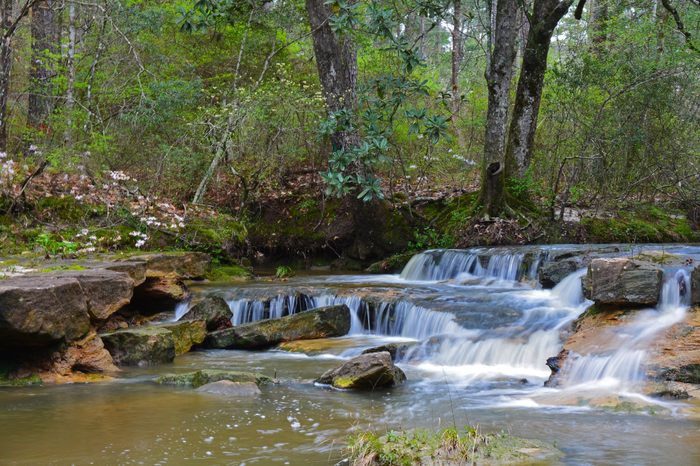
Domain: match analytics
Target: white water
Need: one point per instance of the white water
(623, 367)
(514, 351)
(438, 265)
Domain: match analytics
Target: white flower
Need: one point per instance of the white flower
(140, 243)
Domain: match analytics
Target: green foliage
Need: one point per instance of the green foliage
(429, 238)
(53, 247)
(448, 446)
(283, 271)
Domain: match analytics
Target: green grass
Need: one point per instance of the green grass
(446, 446)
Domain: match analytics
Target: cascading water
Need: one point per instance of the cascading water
(516, 350)
(438, 265)
(623, 367)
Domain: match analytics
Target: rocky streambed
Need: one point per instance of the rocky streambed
(282, 372)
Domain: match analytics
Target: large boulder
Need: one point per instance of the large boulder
(365, 372)
(186, 334)
(212, 309)
(695, 285)
(206, 376)
(142, 346)
(80, 361)
(623, 282)
(38, 310)
(552, 273)
(323, 322)
(106, 291)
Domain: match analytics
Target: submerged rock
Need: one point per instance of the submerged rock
(365, 372)
(214, 310)
(142, 346)
(42, 309)
(206, 376)
(623, 281)
(186, 334)
(228, 388)
(323, 322)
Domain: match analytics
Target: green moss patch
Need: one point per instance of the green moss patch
(447, 446)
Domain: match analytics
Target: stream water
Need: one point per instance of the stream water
(478, 332)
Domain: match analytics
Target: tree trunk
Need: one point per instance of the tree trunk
(336, 60)
(45, 42)
(5, 67)
(456, 63)
(498, 79)
(70, 97)
(521, 137)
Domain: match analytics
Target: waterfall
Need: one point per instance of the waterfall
(409, 320)
(438, 265)
(623, 366)
(181, 309)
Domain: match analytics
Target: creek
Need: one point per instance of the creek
(477, 331)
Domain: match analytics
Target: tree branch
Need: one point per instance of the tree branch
(679, 25)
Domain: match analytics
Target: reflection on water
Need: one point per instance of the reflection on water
(478, 336)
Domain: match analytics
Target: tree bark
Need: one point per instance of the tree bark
(5, 67)
(498, 79)
(456, 64)
(45, 42)
(336, 60)
(70, 96)
(521, 137)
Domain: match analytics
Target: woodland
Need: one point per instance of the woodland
(347, 129)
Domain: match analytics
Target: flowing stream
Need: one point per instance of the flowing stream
(475, 331)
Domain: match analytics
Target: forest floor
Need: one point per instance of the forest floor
(60, 215)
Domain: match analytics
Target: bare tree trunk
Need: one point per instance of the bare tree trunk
(498, 79)
(5, 67)
(45, 43)
(521, 137)
(457, 52)
(336, 60)
(93, 68)
(70, 97)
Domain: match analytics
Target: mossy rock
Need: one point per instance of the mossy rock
(447, 446)
(228, 273)
(202, 377)
(393, 264)
(186, 334)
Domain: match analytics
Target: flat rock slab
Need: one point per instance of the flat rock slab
(622, 282)
(142, 346)
(324, 322)
(37, 310)
(106, 291)
(206, 376)
(183, 265)
(365, 372)
(232, 389)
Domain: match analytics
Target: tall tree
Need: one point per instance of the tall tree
(543, 19)
(457, 52)
(45, 43)
(499, 75)
(336, 60)
(8, 26)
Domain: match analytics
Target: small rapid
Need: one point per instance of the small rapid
(623, 366)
